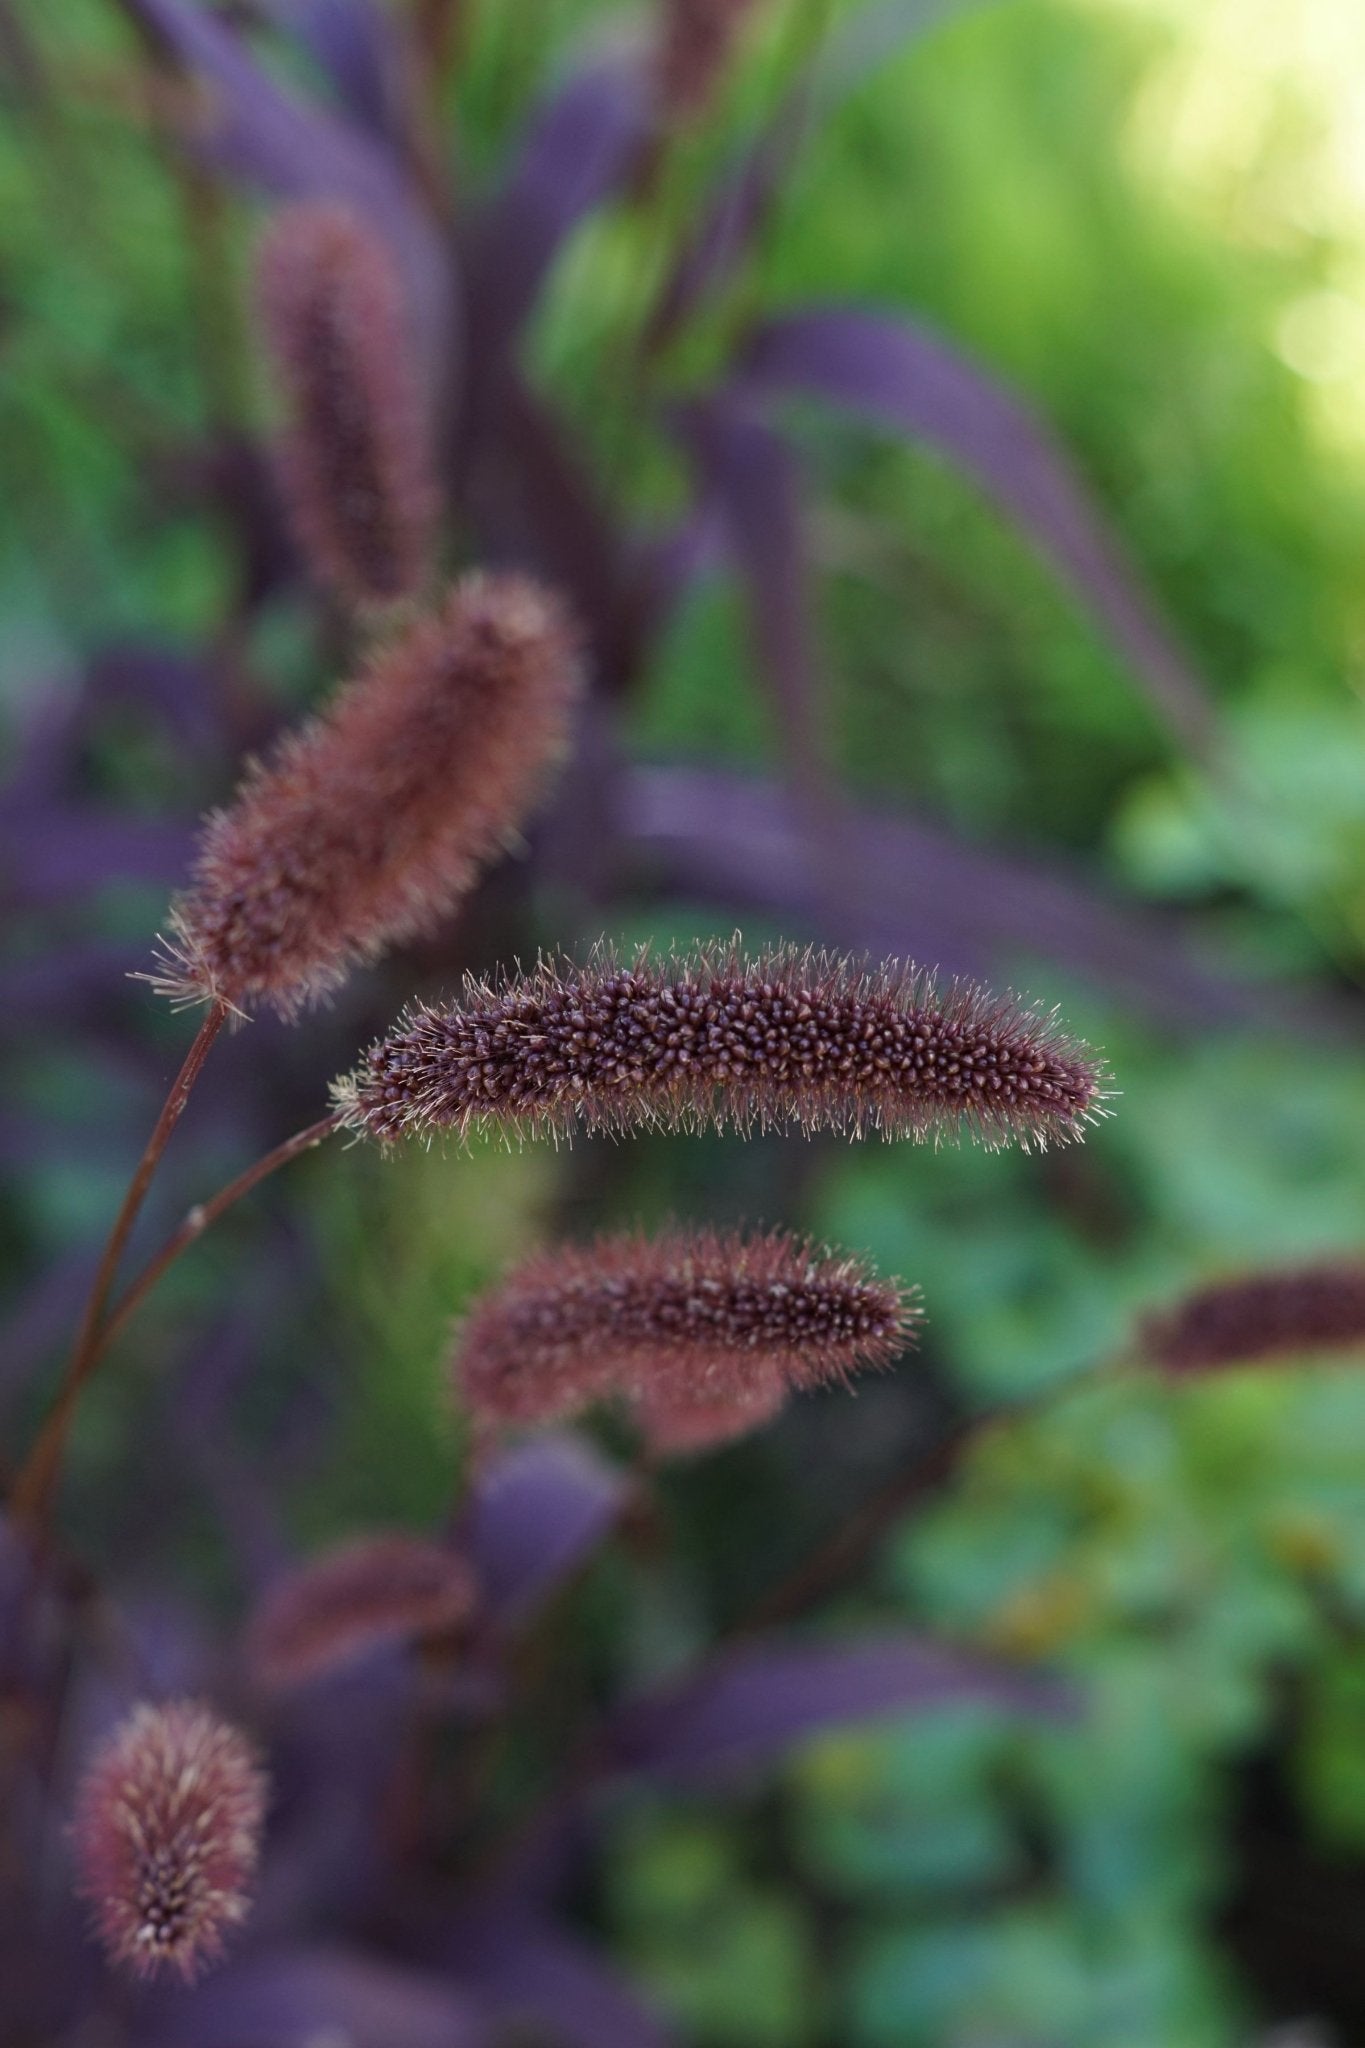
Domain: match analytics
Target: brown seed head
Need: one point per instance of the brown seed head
(166, 1837)
(697, 41)
(706, 1330)
(374, 1590)
(369, 823)
(353, 463)
(679, 1043)
(1263, 1316)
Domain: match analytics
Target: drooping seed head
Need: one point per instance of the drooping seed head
(697, 41)
(353, 463)
(706, 1331)
(373, 1591)
(675, 1422)
(370, 822)
(682, 1042)
(166, 1837)
(1261, 1316)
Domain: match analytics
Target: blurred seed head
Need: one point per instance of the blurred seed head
(373, 1591)
(706, 1331)
(696, 45)
(166, 1837)
(368, 824)
(692, 1040)
(1261, 1316)
(353, 462)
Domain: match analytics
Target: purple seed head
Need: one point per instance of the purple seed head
(166, 1837)
(683, 1042)
(353, 463)
(705, 1331)
(369, 823)
(1261, 1316)
(374, 1590)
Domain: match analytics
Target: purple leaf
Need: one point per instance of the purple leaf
(258, 131)
(899, 374)
(927, 895)
(74, 850)
(753, 1703)
(529, 1973)
(301, 1997)
(578, 147)
(534, 1518)
(749, 475)
(356, 45)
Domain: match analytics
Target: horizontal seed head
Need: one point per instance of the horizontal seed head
(679, 1043)
(704, 1331)
(374, 1590)
(166, 1837)
(370, 822)
(353, 463)
(1265, 1315)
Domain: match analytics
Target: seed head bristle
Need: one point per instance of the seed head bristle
(705, 1331)
(166, 1837)
(1261, 1316)
(370, 822)
(687, 1041)
(375, 1590)
(353, 463)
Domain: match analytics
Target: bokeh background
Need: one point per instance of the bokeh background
(1148, 218)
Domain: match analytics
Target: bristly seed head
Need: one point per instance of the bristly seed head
(374, 1590)
(370, 822)
(353, 464)
(712, 1038)
(1262, 1316)
(166, 1837)
(705, 1332)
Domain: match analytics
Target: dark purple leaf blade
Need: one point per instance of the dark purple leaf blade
(928, 895)
(750, 477)
(897, 373)
(534, 1518)
(356, 44)
(577, 149)
(528, 1972)
(301, 1997)
(755, 1702)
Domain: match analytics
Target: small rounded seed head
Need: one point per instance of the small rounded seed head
(368, 825)
(789, 1038)
(1261, 1316)
(374, 1591)
(353, 463)
(703, 1332)
(166, 1837)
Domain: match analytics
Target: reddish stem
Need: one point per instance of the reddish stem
(39, 1473)
(198, 1220)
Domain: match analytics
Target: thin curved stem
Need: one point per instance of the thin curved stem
(39, 1473)
(198, 1219)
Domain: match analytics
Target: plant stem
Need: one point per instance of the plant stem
(38, 1475)
(198, 1219)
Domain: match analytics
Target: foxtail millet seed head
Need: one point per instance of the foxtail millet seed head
(713, 1038)
(685, 1322)
(375, 1590)
(1260, 1316)
(675, 1422)
(353, 462)
(368, 824)
(166, 1837)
